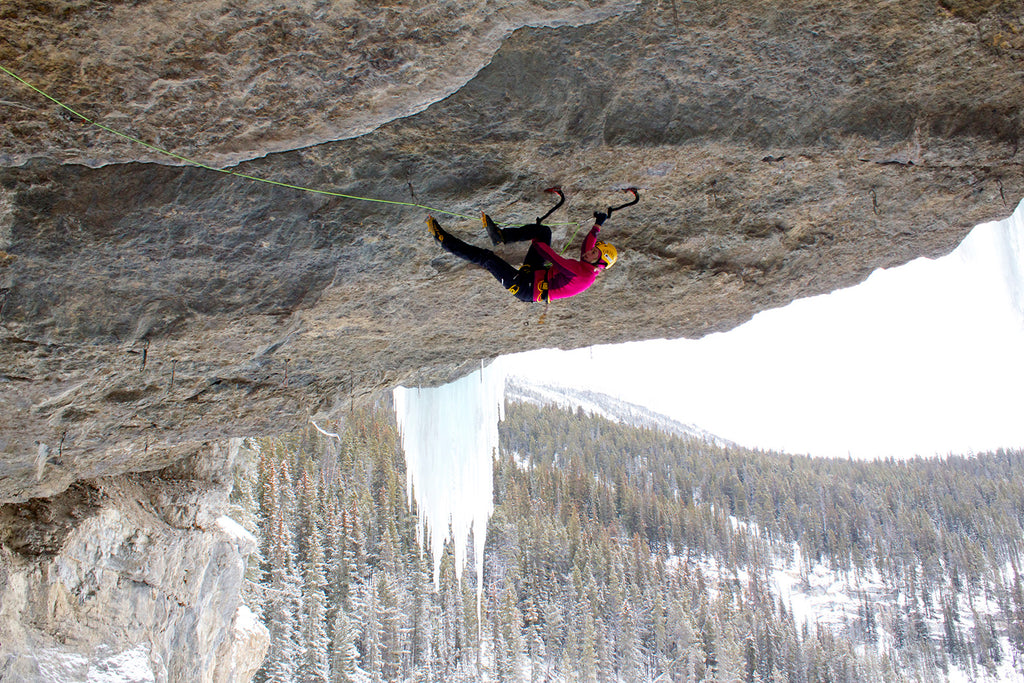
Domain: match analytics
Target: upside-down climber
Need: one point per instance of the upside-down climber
(544, 275)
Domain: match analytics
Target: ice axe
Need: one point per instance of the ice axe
(612, 209)
(561, 200)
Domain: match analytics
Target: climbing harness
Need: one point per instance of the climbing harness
(544, 295)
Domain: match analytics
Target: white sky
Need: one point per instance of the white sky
(923, 359)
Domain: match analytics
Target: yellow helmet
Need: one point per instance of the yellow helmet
(609, 254)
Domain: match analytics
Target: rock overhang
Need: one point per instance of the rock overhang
(152, 309)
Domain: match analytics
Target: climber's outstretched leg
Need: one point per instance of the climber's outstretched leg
(534, 231)
(524, 233)
(528, 233)
(485, 258)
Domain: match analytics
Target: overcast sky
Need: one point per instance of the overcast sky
(924, 359)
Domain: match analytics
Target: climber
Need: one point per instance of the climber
(544, 275)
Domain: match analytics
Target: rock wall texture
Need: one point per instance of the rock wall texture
(135, 577)
(151, 309)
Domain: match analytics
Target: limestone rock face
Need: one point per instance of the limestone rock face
(152, 309)
(228, 81)
(137, 576)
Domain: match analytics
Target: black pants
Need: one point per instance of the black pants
(503, 272)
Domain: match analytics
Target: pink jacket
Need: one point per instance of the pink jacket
(565, 277)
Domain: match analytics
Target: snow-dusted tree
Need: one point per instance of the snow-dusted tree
(370, 646)
(283, 592)
(588, 650)
(451, 635)
(390, 621)
(421, 614)
(508, 645)
(344, 656)
(313, 619)
(707, 665)
(628, 648)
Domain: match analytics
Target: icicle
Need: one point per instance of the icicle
(450, 437)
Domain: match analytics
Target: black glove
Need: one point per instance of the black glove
(600, 217)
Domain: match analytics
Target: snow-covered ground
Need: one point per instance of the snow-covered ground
(816, 594)
(104, 666)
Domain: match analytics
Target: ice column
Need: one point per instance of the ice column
(996, 252)
(450, 437)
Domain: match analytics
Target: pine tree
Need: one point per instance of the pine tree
(283, 592)
(344, 656)
(370, 646)
(451, 641)
(708, 664)
(507, 638)
(588, 650)
(392, 648)
(316, 656)
(421, 614)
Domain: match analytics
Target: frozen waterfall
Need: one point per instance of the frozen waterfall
(450, 437)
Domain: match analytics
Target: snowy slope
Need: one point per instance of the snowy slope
(862, 607)
(596, 403)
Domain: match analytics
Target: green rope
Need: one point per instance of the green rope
(565, 246)
(199, 164)
(225, 171)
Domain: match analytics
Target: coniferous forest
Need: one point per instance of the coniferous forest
(623, 554)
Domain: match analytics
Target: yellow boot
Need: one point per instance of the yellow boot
(493, 231)
(434, 229)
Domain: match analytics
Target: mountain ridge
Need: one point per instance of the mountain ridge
(604, 405)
